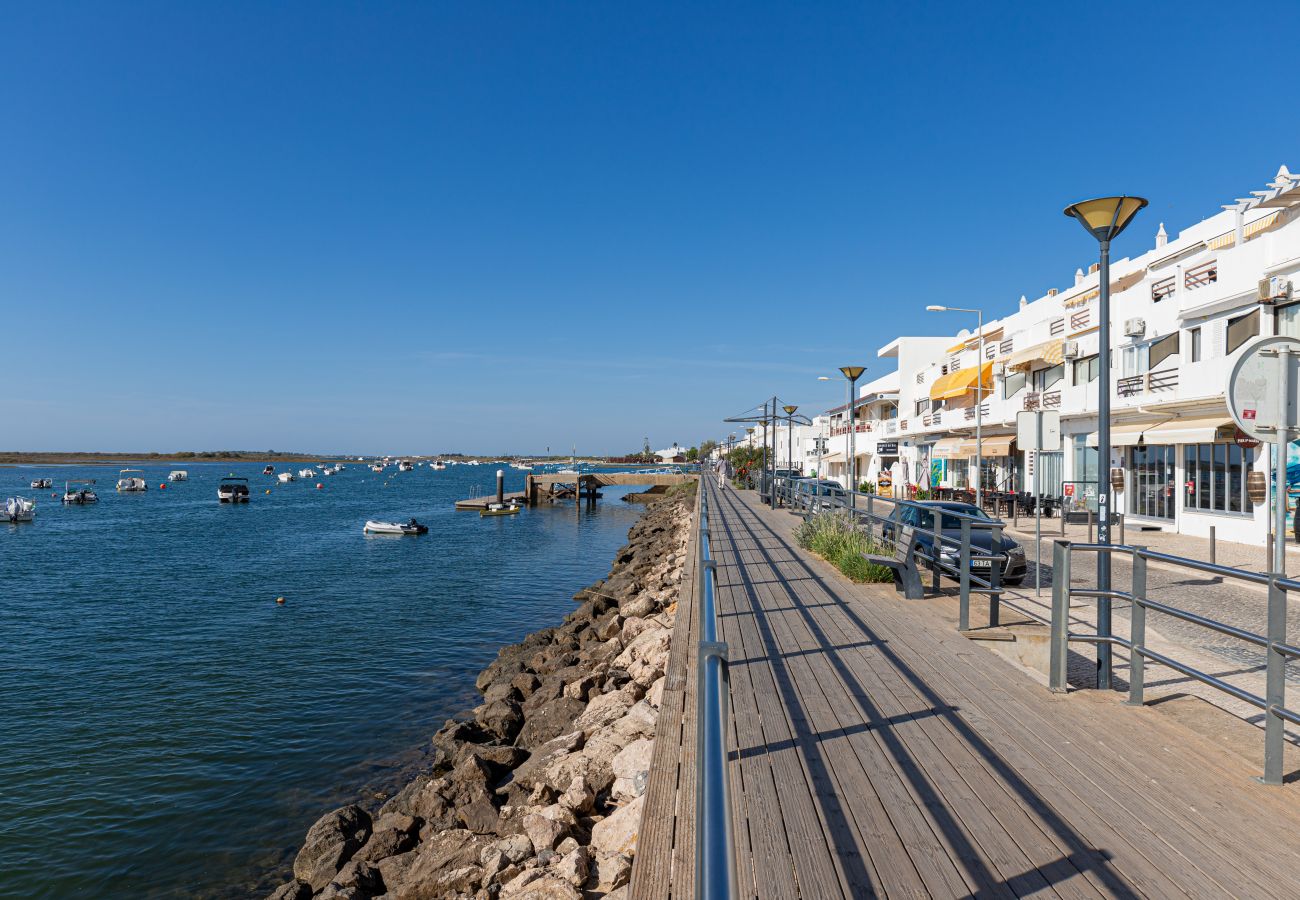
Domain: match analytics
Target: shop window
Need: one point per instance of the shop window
(1214, 479)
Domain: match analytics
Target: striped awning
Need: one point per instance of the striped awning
(1049, 352)
(962, 382)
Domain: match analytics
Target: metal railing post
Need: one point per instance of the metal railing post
(1212, 551)
(1275, 683)
(963, 562)
(936, 547)
(1060, 650)
(995, 577)
(1138, 635)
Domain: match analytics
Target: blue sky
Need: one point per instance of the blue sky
(500, 227)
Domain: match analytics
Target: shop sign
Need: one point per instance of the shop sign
(887, 448)
(1245, 441)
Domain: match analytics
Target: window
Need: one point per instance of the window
(1194, 344)
(1163, 349)
(1242, 329)
(1085, 370)
(1013, 384)
(959, 473)
(1215, 478)
(1134, 360)
(922, 407)
(1052, 463)
(1151, 482)
(1083, 487)
(1045, 378)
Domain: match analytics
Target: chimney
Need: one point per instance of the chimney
(1094, 267)
(1078, 276)
(1161, 237)
(1052, 292)
(1024, 301)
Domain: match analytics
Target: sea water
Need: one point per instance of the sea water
(168, 730)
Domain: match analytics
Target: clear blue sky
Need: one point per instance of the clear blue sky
(417, 227)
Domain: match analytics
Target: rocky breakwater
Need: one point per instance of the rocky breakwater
(537, 794)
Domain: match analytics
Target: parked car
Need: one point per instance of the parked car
(1014, 568)
(823, 494)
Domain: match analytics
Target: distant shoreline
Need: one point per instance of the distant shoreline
(69, 458)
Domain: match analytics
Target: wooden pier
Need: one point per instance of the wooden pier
(877, 752)
(490, 497)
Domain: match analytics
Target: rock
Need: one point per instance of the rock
(516, 848)
(502, 719)
(479, 816)
(291, 890)
(604, 710)
(525, 683)
(611, 871)
(580, 688)
(394, 833)
(574, 865)
(618, 832)
(501, 692)
(578, 796)
(454, 733)
(543, 756)
(640, 721)
(359, 875)
(638, 606)
(619, 894)
(393, 869)
(566, 846)
(554, 718)
(600, 751)
(444, 865)
(543, 831)
(337, 892)
(655, 695)
(632, 761)
(498, 758)
(330, 843)
(545, 888)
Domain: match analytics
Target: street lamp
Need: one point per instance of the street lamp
(979, 398)
(1104, 218)
(789, 435)
(852, 373)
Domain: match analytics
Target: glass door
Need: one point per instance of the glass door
(1151, 481)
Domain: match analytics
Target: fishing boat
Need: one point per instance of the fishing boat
(285, 477)
(129, 483)
(79, 495)
(439, 465)
(306, 473)
(527, 467)
(404, 466)
(500, 509)
(269, 470)
(179, 475)
(41, 484)
(233, 490)
(19, 509)
(411, 527)
(376, 468)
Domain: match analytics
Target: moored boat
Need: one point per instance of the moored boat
(131, 481)
(18, 509)
(411, 527)
(285, 477)
(500, 509)
(79, 495)
(306, 473)
(269, 470)
(179, 475)
(41, 484)
(233, 490)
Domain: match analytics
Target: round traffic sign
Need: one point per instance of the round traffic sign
(1257, 384)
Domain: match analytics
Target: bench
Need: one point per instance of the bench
(907, 576)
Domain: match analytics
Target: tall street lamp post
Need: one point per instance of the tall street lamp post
(1104, 218)
(789, 435)
(852, 373)
(979, 398)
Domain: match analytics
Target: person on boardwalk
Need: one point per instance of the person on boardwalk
(722, 474)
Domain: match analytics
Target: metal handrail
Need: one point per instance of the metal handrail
(956, 566)
(1274, 643)
(715, 859)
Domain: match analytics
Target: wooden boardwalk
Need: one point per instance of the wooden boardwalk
(875, 751)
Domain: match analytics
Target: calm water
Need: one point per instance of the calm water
(167, 730)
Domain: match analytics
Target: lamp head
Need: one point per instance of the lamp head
(936, 308)
(1105, 217)
(853, 373)
(789, 409)
(823, 378)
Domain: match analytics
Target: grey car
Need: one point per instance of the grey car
(920, 516)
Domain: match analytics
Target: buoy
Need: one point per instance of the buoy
(54, 496)
(280, 601)
(319, 485)
(162, 487)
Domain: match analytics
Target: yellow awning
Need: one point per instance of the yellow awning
(939, 389)
(964, 380)
(1050, 352)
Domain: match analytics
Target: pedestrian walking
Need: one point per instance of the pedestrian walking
(722, 475)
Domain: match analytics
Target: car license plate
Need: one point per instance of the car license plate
(980, 563)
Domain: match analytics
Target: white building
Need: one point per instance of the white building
(1180, 313)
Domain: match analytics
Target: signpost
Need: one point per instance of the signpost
(1262, 401)
(1037, 431)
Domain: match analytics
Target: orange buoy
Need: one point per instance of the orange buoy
(268, 490)
(162, 487)
(319, 485)
(279, 601)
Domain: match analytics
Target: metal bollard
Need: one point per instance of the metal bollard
(1275, 684)
(935, 549)
(1090, 538)
(1212, 553)
(1121, 518)
(1138, 637)
(995, 579)
(1060, 647)
(1062, 518)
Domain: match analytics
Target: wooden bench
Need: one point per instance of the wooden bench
(907, 576)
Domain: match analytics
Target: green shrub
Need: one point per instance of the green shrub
(833, 537)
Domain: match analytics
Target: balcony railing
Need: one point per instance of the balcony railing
(1150, 383)
(891, 427)
(1057, 327)
(1033, 400)
(1130, 387)
(969, 412)
(860, 428)
(930, 420)
(1052, 400)
(1162, 289)
(1206, 273)
(1080, 320)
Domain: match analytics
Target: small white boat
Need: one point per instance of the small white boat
(306, 473)
(439, 466)
(376, 468)
(527, 467)
(130, 483)
(42, 484)
(233, 490)
(411, 527)
(19, 509)
(79, 495)
(285, 477)
(179, 475)
(404, 466)
(500, 509)
(269, 470)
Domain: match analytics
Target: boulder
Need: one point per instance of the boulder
(394, 833)
(578, 796)
(639, 605)
(543, 831)
(655, 695)
(499, 758)
(611, 871)
(360, 876)
(516, 848)
(632, 761)
(479, 815)
(574, 866)
(549, 721)
(444, 865)
(547, 887)
(330, 843)
(604, 710)
(618, 832)
(640, 721)
(291, 890)
(535, 767)
(501, 719)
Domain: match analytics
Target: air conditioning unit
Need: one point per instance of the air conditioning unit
(1135, 327)
(1069, 349)
(1274, 289)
